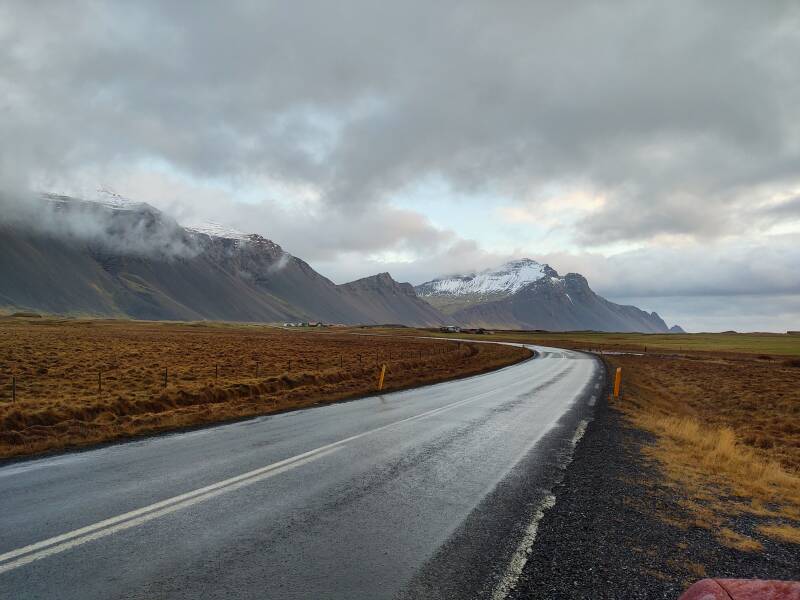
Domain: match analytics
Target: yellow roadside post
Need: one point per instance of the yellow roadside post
(617, 381)
(380, 380)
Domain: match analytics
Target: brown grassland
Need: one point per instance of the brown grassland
(728, 434)
(81, 382)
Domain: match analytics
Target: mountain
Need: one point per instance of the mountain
(383, 300)
(116, 257)
(525, 294)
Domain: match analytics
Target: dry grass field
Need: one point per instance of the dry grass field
(728, 434)
(80, 382)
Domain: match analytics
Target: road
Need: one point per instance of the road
(430, 492)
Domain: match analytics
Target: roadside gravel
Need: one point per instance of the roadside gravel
(617, 531)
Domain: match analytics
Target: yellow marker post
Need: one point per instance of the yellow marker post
(380, 380)
(617, 381)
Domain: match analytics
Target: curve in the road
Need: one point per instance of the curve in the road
(428, 492)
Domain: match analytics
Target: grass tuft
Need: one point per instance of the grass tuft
(782, 532)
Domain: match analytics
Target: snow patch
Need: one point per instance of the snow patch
(212, 229)
(107, 197)
(507, 279)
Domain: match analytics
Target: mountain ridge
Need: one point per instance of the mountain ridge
(126, 259)
(525, 294)
(116, 257)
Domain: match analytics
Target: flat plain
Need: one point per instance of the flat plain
(70, 382)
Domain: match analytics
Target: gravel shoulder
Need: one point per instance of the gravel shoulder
(618, 530)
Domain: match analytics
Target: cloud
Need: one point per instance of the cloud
(775, 313)
(727, 268)
(649, 102)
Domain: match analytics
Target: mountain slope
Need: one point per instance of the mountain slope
(120, 258)
(524, 294)
(381, 299)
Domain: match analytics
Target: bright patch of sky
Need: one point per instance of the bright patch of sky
(484, 217)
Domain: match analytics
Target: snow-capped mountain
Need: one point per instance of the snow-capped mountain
(525, 294)
(506, 279)
(110, 255)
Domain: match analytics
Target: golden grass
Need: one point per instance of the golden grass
(84, 381)
(784, 533)
(728, 436)
(738, 541)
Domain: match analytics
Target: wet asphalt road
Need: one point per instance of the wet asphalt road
(424, 492)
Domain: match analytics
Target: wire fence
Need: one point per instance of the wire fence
(115, 377)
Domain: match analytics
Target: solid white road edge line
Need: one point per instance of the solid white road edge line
(520, 557)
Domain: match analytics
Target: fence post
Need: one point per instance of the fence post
(256, 369)
(99, 381)
(13, 388)
(165, 376)
(216, 373)
(380, 380)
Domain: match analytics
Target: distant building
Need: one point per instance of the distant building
(450, 329)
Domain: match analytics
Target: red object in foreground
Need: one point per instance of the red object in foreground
(742, 589)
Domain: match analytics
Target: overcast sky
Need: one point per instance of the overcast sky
(652, 146)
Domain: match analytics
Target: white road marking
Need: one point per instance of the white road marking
(139, 516)
(597, 386)
(520, 557)
(592, 400)
(97, 532)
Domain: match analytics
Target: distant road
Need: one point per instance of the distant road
(429, 492)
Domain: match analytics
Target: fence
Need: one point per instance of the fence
(95, 382)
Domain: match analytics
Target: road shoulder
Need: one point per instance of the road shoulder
(618, 531)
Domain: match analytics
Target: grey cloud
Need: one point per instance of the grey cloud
(789, 209)
(775, 313)
(324, 233)
(141, 232)
(680, 100)
(721, 269)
